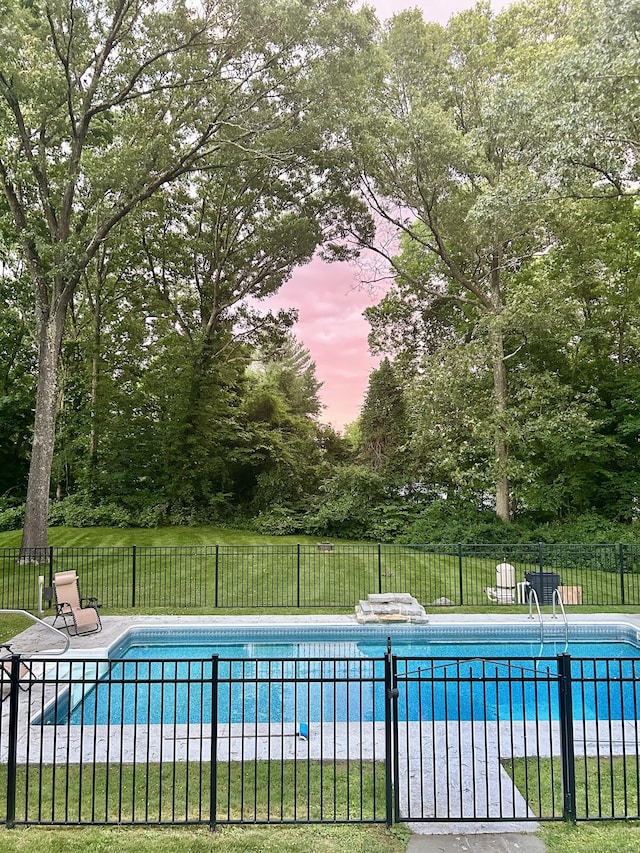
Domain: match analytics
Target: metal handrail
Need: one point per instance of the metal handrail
(557, 596)
(533, 596)
(66, 639)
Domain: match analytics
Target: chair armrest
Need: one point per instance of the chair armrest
(63, 607)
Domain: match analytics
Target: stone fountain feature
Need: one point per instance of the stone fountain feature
(390, 607)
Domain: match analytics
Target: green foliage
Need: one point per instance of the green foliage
(445, 521)
(356, 502)
(382, 422)
(278, 521)
(11, 518)
(78, 511)
(499, 147)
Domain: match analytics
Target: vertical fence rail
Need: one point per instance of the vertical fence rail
(213, 796)
(566, 738)
(13, 733)
(133, 575)
(391, 768)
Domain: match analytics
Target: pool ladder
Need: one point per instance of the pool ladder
(557, 601)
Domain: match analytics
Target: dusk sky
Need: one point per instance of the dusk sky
(329, 297)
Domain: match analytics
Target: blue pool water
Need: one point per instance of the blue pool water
(317, 675)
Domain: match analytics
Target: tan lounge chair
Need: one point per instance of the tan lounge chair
(79, 615)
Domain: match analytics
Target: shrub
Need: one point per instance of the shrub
(12, 518)
(449, 521)
(79, 511)
(278, 521)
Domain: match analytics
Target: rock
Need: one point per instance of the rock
(391, 607)
(390, 598)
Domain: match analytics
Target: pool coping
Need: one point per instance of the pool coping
(35, 640)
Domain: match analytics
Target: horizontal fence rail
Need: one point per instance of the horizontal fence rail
(306, 740)
(327, 576)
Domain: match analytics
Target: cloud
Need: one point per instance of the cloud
(330, 302)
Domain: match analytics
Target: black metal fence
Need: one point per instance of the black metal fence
(221, 741)
(204, 578)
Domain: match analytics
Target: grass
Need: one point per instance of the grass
(202, 569)
(269, 839)
(179, 792)
(96, 537)
(606, 786)
(253, 792)
(600, 788)
(598, 837)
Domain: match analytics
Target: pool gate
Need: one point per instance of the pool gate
(310, 740)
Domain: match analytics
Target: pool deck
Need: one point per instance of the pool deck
(38, 640)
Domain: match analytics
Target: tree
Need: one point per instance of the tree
(585, 454)
(588, 100)
(445, 156)
(103, 104)
(383, 426)
(279, 461)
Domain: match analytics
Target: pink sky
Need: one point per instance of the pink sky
(329, 298)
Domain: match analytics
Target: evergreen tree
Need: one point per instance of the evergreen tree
(383, 425)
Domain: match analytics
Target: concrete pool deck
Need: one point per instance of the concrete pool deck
(38, 640)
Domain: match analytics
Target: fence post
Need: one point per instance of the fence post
(12, 749)
(621, 551)
(51, 573)
(566, 737)
(540, 558)
(460, 575)
(298, 574)
(388, 740)
(213, 782)
(390, 734)
(380, 568)
(134, 559)
(216, 574)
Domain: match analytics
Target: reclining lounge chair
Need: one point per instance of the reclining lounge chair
(79, 615)
(25, 673)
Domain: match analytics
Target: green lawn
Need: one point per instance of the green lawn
(597, 837)
(96, 537)
(206, 569)
(603, 785)
(250, 839)
(179, 792)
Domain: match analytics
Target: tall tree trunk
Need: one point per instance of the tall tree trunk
(96, 355)
(503, 508)
(34, 534)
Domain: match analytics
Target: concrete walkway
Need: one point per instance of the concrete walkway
(508, 842)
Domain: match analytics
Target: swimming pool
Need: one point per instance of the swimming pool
(293, 675)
